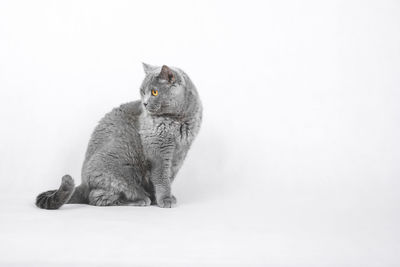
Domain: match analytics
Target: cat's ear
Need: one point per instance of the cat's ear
(148, 68)
(167, 74)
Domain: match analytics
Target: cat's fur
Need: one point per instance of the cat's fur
(137, 149)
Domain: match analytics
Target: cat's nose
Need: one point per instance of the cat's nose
(144, 103)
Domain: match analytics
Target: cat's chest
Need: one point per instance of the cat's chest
(159, 131)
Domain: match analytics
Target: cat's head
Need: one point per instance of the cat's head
(163, 90)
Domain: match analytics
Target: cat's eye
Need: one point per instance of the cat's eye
(154, 92)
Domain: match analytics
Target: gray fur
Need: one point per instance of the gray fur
(138, 148)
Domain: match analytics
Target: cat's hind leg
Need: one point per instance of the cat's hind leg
(100, 197)
(136, 197)
(138, 202)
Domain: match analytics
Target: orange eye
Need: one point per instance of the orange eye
(154, 92)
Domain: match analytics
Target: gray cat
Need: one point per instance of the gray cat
(137, 149)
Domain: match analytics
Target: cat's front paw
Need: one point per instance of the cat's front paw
(167, 202)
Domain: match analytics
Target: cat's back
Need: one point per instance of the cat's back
(124, 114)
(121, 123)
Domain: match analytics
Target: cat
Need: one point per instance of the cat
(137, 149)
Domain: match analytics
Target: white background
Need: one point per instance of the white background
(297, 161)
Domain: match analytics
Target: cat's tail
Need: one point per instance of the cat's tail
(67, 193)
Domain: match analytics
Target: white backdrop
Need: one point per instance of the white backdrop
(297, 161)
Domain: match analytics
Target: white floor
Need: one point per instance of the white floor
(227, 230)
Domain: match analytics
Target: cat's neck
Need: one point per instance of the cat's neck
(191, 112)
